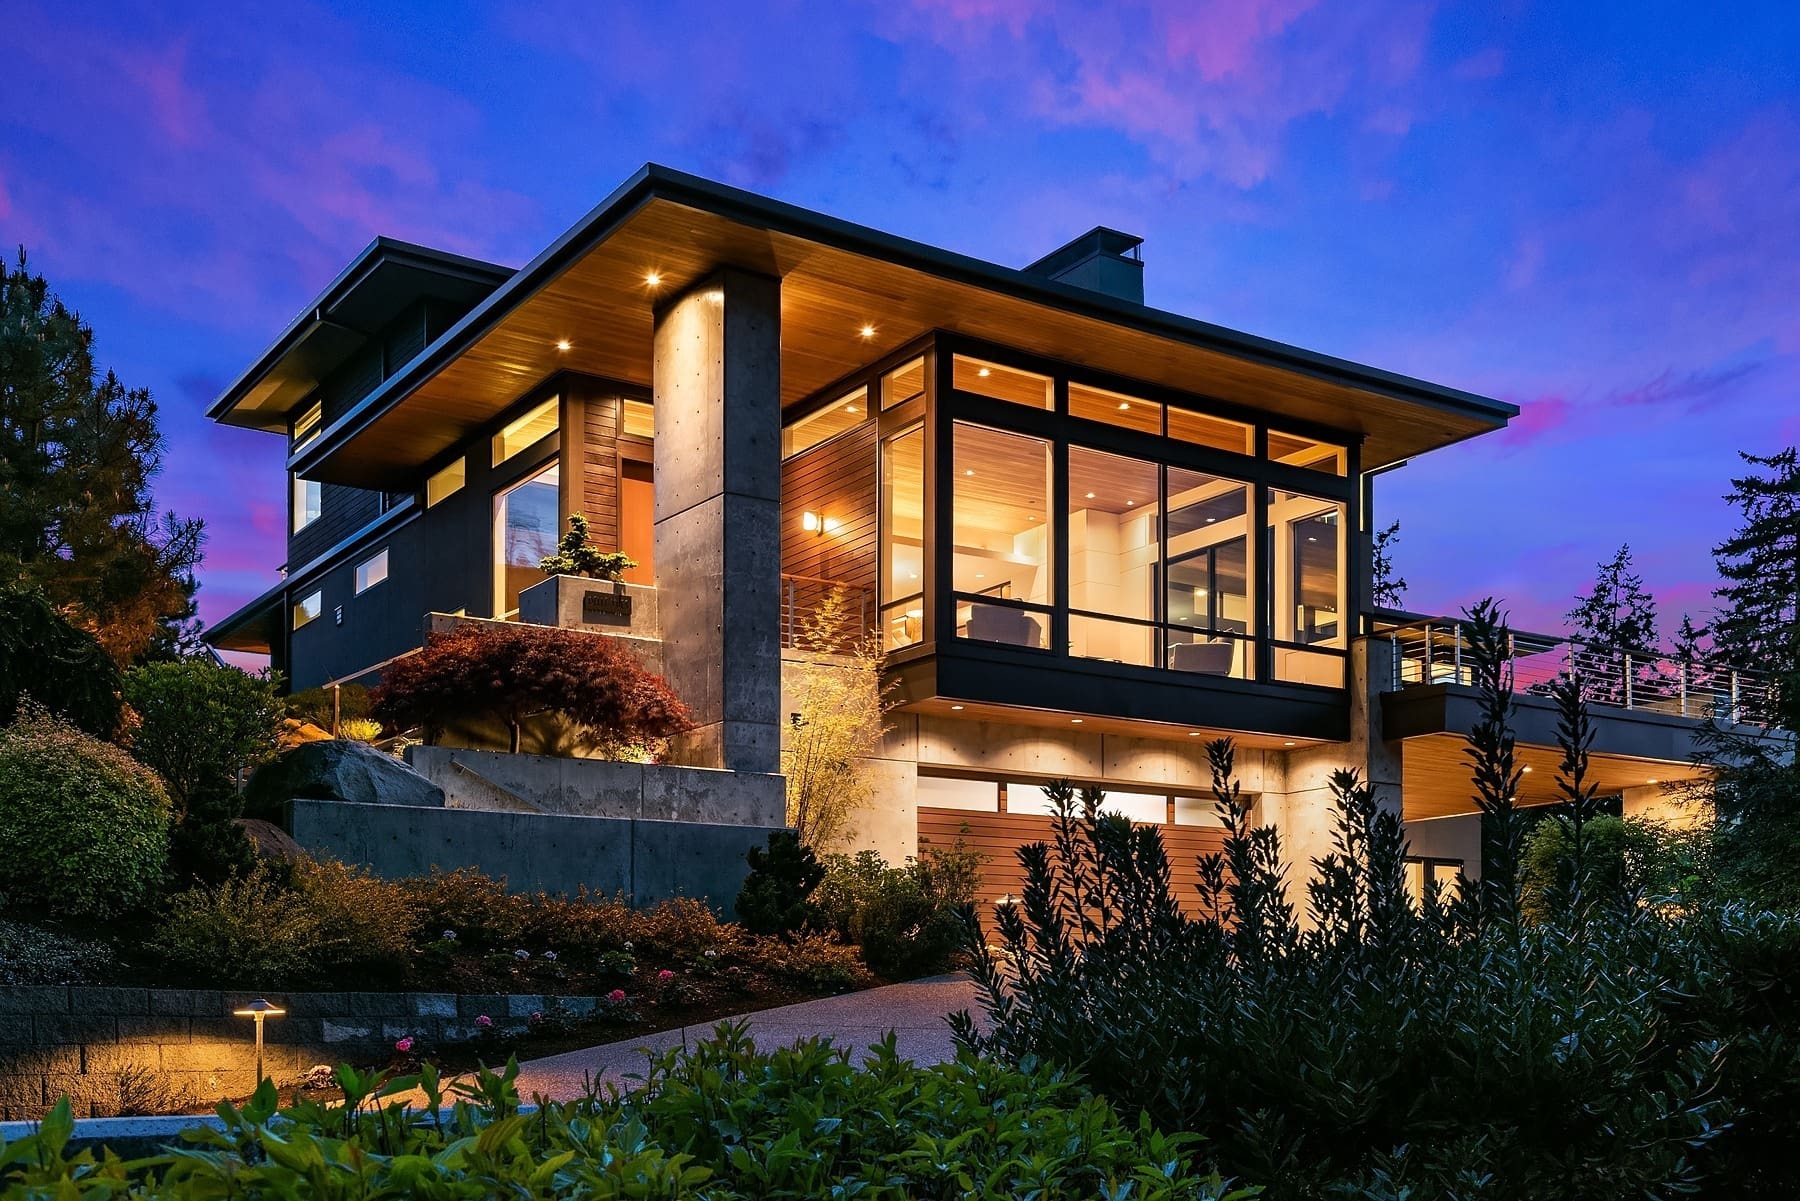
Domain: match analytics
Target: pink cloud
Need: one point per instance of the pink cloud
(1537, 419)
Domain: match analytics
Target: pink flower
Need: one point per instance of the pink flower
(404, 1045)
(665, 974)
(537, 1015)
(484, 1021)
(616, 996)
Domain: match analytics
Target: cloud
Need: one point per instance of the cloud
(1690, 391)
(1537, 420)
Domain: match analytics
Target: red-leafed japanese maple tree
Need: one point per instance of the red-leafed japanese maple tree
(513, 672)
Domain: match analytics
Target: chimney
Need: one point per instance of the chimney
(1100, 260)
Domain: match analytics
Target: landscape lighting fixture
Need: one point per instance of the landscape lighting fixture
(259, 1009)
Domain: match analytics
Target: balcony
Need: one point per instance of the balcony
(1434, 651)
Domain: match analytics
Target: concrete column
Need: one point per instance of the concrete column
(1298, 800)
(717, 379)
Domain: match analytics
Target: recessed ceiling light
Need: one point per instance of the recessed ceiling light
(1074, 721)
(913, 576)
(1289, 742)
(1130, 503)
(849, 408)
(1653, 780)
(968, 471)
(1210, 520)
(563, 344)
(984, 373)
(1526, 768)
(868, 331)
(653, 279)
(956, 706)
(1090, 496)
(1123, 406)
(980, 576)
(1193, 733)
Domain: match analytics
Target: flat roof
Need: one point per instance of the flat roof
(589, 289)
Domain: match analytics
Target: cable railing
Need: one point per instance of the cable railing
(802, 596)
(1436, 651)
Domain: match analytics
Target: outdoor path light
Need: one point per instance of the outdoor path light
(259, 1009)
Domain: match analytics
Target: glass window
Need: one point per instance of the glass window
(526, 430)
(1141, 807)
(903, 538)
(1002, 383)
(307, 425)
(526, 523)
(1216, 432)
(1206, 579)
(445, 482)
(1097, 404)
(637, 418)
(1306, 545)
(1001, 530)
(309, 500)
(1114, 545)
(846, 412)
(941, 792)
(308, 607)
(1197, 811)
(902, 384)
(372, 570)
(1031, 798)
(1296, 451)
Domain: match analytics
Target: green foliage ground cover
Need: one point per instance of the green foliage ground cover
(727, 1121)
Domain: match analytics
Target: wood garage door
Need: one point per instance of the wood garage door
(1000, 835)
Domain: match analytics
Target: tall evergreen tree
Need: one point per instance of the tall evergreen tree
(1759, 602)
(77, 453)
(1619, 614)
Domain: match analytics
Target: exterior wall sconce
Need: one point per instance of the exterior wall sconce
(813, 523)
(259, 1009)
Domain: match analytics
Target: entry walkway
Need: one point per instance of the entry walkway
(915, 1011)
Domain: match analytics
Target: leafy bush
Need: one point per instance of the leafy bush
(360, 729)
(85, 828)
(34, 955)
(508, 672)
(326, 923)
(59, 666)
(723, 1122)
(910, 921)
(202, 726)
(815, 961)
(576, 554)
(1393, 1049)
(776, 897)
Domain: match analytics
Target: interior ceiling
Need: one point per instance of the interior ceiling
(601, 306)
(1435, 779)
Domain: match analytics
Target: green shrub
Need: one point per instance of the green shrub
(910, 921)
(34, 955)
(776, 897)
(814, 961)
(325, 924)
(84, 828)
(722, 1123)
(60, 667)
(1387, 1049)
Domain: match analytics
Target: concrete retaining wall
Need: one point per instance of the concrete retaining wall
(122, 1050)
(477, 779)
(650, 861)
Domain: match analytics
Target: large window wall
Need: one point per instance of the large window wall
(1107, 523)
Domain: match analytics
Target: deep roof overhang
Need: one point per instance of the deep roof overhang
(255, 626)
(589, 289)
(376, 287)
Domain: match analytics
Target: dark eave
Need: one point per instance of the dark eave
(377, 285)
(255, 626)
(1468, 413)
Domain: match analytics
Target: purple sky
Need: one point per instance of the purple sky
(1590, 209)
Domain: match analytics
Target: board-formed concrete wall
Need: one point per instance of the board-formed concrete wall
(476, 779)
(649, 861)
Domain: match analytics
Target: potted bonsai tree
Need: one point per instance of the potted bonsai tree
(564, 599)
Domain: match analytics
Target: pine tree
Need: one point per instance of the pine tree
(77, 454)
(1619, 614)
(1759, 619)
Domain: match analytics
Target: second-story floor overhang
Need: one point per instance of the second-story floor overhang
(849, 296)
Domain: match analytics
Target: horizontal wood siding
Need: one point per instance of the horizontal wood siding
(600, 492)
(1000, 835)
(342, 511)
(836, 480)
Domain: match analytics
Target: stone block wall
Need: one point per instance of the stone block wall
(133, 1050)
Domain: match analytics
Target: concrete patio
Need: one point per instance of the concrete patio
(915, 1011)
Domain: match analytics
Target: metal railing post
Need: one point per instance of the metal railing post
(1394, 669)
(1734, 696)
(1626, 656)
(1430, 665)
(1684, 687)
(1456, 650)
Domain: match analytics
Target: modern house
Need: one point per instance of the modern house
(1091, 534)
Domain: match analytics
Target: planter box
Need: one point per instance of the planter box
(578, 603)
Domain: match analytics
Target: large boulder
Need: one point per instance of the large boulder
(337, 770)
